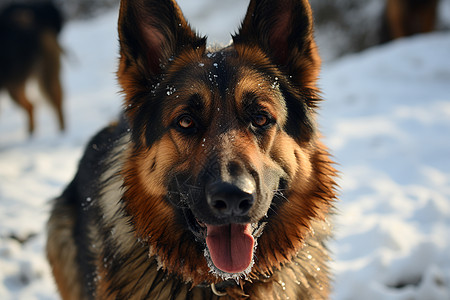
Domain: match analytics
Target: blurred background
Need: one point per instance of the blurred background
(385, 116)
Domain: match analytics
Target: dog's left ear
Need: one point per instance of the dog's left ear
(284, 30)
(151, 32)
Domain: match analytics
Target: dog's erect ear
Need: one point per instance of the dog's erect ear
(151, 32)
(284, 30)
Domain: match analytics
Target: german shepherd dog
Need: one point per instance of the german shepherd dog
(407, 17)
(214, 184)
(29, 47)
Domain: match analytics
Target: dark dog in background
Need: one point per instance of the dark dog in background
(29, 47)
(215, 183)
(407, 17)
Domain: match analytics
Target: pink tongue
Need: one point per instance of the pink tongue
(230, 246)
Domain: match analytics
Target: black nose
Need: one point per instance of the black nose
(226, 199)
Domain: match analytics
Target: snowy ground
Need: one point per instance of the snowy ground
(386, 118)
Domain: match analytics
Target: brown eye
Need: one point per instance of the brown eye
(260, 120)
(186, 122)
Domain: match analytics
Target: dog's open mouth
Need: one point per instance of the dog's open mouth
(230, 247)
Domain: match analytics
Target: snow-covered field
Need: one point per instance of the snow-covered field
(386, 119)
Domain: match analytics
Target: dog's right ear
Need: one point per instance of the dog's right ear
(150, 33)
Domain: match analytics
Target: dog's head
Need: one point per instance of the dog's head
(225, 152)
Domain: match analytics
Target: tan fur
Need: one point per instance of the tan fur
(61, 252)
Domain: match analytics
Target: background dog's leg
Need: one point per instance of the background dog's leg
(395, 13)
(17, 93)
(49, 74)
(427, 19)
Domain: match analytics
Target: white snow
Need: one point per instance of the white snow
(386, 118)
